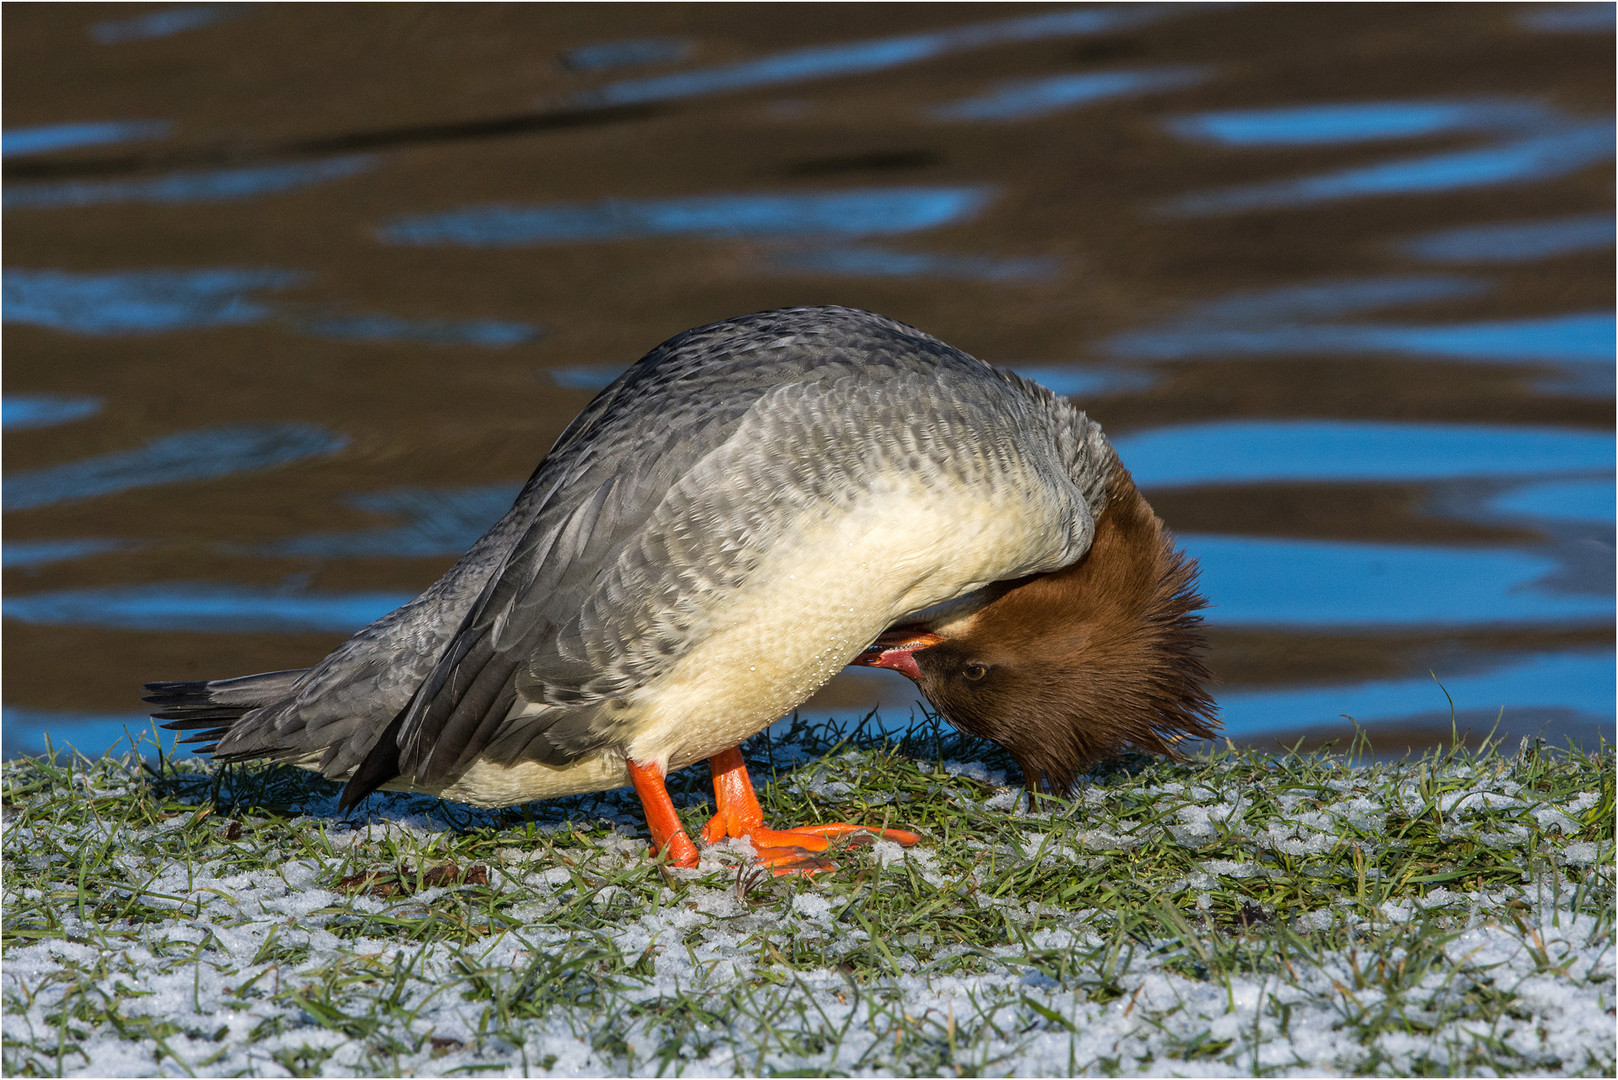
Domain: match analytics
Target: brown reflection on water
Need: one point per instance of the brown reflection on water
(471, 105)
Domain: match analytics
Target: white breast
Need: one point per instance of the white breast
(819, 600)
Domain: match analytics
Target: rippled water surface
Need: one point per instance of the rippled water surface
(296, 296)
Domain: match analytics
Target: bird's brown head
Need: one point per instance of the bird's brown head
(1068, 667)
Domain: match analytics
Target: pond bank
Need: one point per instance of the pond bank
(1228, 915)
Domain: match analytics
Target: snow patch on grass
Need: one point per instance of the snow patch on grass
(1223, 916)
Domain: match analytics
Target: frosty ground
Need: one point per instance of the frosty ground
(1234, 914)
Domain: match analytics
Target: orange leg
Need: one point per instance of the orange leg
(668, 835)
(740, 815)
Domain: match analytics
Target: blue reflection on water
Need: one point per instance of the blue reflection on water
(91, 734)
(1516, 241)
(1577, 382)
(137, 301)
(860, 57)
(1024, 99)
(202, 454)
(1340, 297)
(18, 412)
(1273, 322)
(1262, 581)
(217, 185)
(1268, 451)
(866, 261)
(1525, 160)
(1580, 683)
(165, 21)
(586, 376)
(152, 301)
(438, 521)
(630, 52)
(1584, 337)
(485, 332)
(1317, 125)
(41, 552)
(1568, 18)
(204, 607)
(1076, 380)
(1558, 500)
(1580, 337)
(867, 212)
(20, 142)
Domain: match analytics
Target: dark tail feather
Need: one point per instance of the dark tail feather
(211, 708)
(381, 764)
(196, 723)
(201, 716)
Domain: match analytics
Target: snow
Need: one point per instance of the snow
(262, 971)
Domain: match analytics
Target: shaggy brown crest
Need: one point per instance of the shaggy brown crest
(1075, 665)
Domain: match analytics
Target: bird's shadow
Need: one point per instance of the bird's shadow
(236, 789)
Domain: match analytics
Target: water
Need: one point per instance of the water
(284, 336)
(426, 522)
(38, 552)
(204, 607)
(630, 52)
(1269, 583)
(864, 260)
(19, 142)
(214, 185)
(162, 22)
(1022, 99)
(1530, 142)
(21, 411)
(1514, 241)
(1557, 500)
(849, 58)
(200, 454)
(1573, 18)
(1318, 451)
(1316, 125)
(1287, 323)
(1575, 689)
(154, 301)
(490, 333)
(876, 212)
(138, 301)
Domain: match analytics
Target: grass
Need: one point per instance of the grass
(1233, 914)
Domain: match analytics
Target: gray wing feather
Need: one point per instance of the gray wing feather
(526, 611)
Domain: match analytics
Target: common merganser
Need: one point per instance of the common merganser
(737, 517)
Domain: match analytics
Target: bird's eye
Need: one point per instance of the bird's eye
(974, 672)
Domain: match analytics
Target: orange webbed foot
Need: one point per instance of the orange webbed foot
(783, 861)
(784, 851)
(869, 833)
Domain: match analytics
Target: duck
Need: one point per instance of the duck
(752, 506)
